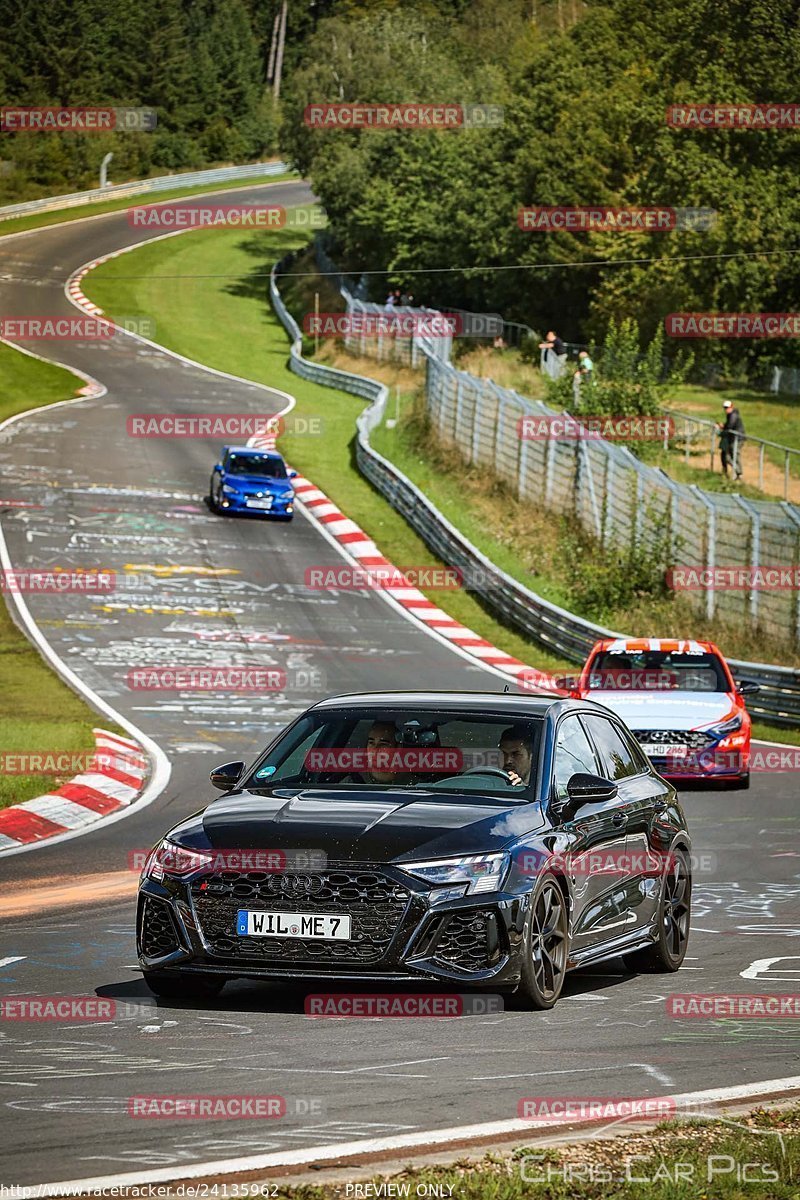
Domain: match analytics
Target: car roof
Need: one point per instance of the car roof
(251, 450)
(668, 645)
(492, 703)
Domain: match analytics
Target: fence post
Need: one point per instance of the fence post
(498, 430)
(638, 515)
(755, 549)
(477, 392)
(458, 407)
(522, 459)
(794, 517)
(711, 547)
(586, 463)
(549, 470)
(609, 488)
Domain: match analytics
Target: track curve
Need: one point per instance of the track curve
(112, 501)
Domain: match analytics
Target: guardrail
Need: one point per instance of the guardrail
(561, 632)
(137, 187)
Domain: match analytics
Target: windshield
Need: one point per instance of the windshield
(404, 748)
(255, 464)
(657, 670)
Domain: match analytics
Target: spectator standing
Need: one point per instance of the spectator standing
(731, 439)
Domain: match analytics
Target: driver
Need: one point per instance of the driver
(516, 748)
(382, 735)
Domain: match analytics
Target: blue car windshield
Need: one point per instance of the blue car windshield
(438, 751)
(256, 464)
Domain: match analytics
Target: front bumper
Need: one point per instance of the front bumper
(713, 761)
(400, 932)
(236, 502)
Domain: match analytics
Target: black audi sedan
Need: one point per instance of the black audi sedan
(469, 839)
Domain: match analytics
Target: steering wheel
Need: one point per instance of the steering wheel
(488, 771)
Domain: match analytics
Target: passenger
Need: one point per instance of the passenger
(382, 735)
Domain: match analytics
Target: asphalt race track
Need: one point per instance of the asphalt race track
(207, 590)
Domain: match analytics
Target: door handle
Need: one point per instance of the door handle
(618, 819)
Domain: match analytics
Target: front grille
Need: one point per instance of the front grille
(373, 901)
(695, 738)
(468, 940)
(159, 935)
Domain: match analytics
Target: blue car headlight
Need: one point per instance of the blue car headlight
(725, 727)
(480, 872)
(228, 490)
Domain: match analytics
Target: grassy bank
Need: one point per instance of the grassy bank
(95, 208)
(756, 1155)
(37, 711)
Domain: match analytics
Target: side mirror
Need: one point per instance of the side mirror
(585, 789)
(227, 776)
(292, 474)
(747, 687)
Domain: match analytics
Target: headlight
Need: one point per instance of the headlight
(286, 496)
(231, 491)
(169, 859)
(726, 727)
(481, 872)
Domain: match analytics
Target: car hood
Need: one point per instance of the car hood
(359, 826)
(666, 710)
(256, 481)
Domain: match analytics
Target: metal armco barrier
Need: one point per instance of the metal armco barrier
(139, 187)
(559, 631)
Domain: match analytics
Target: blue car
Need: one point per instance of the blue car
(246, 480)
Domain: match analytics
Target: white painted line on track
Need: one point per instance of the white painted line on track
(433, 1138)
(161, 764)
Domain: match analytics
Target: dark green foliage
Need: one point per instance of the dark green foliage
(585, 88)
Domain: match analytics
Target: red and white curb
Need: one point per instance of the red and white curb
(353, 542)
(117, 778)
(352, 539)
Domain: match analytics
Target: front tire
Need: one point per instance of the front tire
(175, 985)
(545, 946)
(674, 913)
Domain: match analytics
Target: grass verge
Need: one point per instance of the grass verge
(38, 712)
(93, 208)
(756, 1155)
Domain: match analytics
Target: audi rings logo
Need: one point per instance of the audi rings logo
(309, 884)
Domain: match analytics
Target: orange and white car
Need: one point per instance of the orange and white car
(681, 702)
